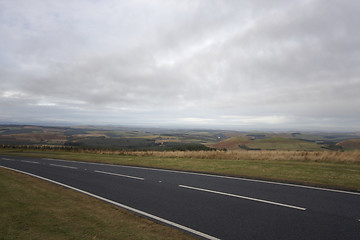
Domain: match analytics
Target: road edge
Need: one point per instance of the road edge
(133, 210)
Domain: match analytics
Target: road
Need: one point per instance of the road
(208, 206)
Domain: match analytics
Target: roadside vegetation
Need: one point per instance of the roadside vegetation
(263, 155)
(322, 168)
(34, 209)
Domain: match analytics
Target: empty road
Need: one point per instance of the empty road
(208, 206)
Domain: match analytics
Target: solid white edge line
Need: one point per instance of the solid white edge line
(212, 175)
(243, 197)
(29, 161)
(145, 214)
(63, 166)
(120, 175)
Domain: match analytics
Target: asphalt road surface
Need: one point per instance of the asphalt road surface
(208, 206)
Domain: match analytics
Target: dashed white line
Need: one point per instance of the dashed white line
(30, 161)
(212, 175)
(119, 175)
(7, 159)
(145, 214)
(243, 197)
(63, 166)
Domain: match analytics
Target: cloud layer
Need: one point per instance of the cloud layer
(223, 64)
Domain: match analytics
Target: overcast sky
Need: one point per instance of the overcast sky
(241, 64)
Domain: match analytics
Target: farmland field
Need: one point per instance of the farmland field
(122, 138)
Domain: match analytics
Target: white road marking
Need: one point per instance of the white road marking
(7, 159)
(212, 175)
(30, 161)
(244, 197)
(134, 210)
(119, 175)
(63, 166)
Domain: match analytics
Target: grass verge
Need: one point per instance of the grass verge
(341, 174)
(34, 209)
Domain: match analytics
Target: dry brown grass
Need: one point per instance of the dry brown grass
(314, 156)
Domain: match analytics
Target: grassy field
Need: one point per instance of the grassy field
(33, 209)
(325, 168)
(274, 143)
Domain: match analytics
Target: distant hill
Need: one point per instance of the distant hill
(125, 138)
(117, 138)
(351, 144)
(273, 143)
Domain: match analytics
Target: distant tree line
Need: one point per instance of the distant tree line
(76, 146)
(243, 146)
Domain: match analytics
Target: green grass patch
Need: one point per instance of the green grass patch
(284, 144)
(274, 143)
(34, 209)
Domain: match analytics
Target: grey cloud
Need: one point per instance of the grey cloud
(290, 63)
